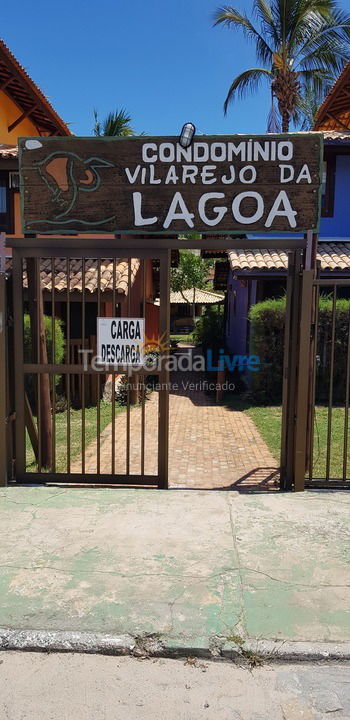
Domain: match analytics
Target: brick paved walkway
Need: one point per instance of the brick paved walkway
(210, 446)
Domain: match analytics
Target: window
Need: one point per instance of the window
(328, 186)
(7, 189)
(5, 224)
(14, 180)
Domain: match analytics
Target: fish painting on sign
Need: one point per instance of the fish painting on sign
(66, 175)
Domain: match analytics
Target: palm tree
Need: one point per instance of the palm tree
(115, 124)
(299, 43)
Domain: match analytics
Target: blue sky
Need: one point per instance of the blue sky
(161, 60)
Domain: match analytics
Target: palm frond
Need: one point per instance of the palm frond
(306, 110)
(299, 43)
(264, 14)
(228, 17)
(306, 16)
(117, 124)
(247, 81)
(317, 81)
(97, 126)
(273, 120)
(325, 32)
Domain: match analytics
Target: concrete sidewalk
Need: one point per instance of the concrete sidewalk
(201, 570)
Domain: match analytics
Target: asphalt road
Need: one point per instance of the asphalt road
(35, 686)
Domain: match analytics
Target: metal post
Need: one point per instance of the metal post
(303, 382)
(290, 370)
(3, 372)
(164, 329)
(17, 275)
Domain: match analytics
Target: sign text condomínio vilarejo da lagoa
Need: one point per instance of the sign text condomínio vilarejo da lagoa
(268, 183)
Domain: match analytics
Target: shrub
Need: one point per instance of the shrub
(209, 331)
(267, 321)
(324, 346)
(59, 339)
(59, 350)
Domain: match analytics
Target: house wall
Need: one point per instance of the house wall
(9, 113)
(240, 295)
(339, 224)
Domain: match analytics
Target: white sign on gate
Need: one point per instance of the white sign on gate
(120, 341)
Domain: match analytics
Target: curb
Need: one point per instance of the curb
(252, 651)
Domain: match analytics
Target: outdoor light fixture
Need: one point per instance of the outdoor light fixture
(187, 134)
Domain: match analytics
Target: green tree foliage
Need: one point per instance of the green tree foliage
(299, 44)
(192, 272)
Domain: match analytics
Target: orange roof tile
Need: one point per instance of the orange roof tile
(334, 257)
(59, 269)
(334, 113)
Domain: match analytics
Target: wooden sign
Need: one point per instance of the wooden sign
(220, 184)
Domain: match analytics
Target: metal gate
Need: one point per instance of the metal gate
(316, 381)
(328, 439)
(92, 437)
(73, 419)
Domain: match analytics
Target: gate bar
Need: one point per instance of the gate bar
(143, 394)
(164, 330)
(302, 396)
(17, 280)
(346, 408)
(290, 370)
(331, 377)
(53, 353)
(3, 388)
(67, 379)
(313, 378)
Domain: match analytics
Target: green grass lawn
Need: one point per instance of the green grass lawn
(268, 421)
(75, 434)
(182, 338)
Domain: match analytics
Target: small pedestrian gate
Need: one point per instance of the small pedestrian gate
(112, 449)
(328, 439)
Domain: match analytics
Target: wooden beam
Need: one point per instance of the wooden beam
(6, 82)
(339, 122)
(21, 117)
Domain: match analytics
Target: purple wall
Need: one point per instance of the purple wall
(237, 314)
(339, 225)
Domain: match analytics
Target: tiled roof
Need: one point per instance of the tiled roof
(334, 257)
(334, 113)
(204, 297)
(338, 135)
(91, 275)
(8, 151)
